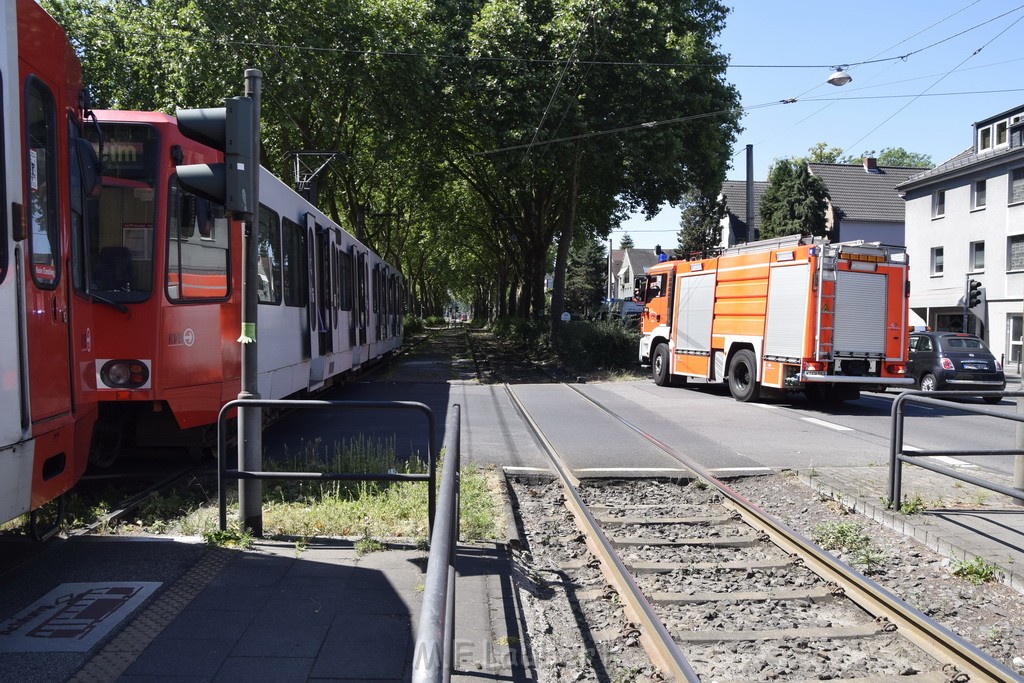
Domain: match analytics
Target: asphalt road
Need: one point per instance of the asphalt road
(701, 421)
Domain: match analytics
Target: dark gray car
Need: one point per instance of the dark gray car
(950, 361)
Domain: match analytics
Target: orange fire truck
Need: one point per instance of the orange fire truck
(790, 314)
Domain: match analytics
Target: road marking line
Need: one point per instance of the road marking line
(830, 425)
(952, 462)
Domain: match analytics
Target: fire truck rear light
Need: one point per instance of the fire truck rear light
(814, 367)
(896, 369)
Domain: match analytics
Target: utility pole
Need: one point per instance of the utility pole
(611, 291)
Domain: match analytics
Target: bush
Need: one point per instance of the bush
(589, 345)
(521, 332)
(435, 321)
(413, 324)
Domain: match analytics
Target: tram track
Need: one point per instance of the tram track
(715, 588)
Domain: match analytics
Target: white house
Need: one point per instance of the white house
(965, 221)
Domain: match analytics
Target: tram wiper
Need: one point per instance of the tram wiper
(113, 304)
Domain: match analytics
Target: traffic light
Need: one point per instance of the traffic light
(973, 293)
(230, 130)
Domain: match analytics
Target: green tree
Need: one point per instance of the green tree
(821, 153)
(701, 225)
(893, 156)
(586, 277)
(626, 242)
(794, 201)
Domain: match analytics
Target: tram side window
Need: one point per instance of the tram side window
(346, 281)
(4, 238)
(44, 239)
(197, 247)
(296, 289)
(269, 257)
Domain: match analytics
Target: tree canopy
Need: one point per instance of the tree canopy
(475, 139)
(794, 201)
(700, 225)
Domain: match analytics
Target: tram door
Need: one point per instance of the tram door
(46, 290)
(323, 290)
(313, 303)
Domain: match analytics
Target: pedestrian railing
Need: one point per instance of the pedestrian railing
(435, 640)
(898, 455)
(224, 473)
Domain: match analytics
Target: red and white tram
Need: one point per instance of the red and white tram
(47, 406)
(168, 284)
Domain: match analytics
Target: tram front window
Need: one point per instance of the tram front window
(120, 225)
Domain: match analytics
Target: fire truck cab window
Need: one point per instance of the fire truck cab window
(655, 287)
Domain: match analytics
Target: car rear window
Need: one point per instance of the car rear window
(960, 343)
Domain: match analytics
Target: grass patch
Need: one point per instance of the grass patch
(976, 571)
(912, 506)
(840, 536)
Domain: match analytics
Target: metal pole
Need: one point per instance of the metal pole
(751, 233)
(1018, 460)
(611, 283)
(250, 429)
(967, 296)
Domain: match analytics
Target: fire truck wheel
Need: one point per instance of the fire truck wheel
(660, 366)
(742, 373)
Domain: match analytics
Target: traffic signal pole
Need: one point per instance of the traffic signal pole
(250, 420)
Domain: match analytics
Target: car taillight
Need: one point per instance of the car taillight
(999, 364)
(947, 364)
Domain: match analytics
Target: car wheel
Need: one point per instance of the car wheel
(660, 366)
(928, 382)
(743, 376)
(992, 400)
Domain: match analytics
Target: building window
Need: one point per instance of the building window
(980, 190)
(1001, 133)
(936, 260)
(985, 138)
(1015, 252)
(1014, 326)
(977, 256)
(1017, 185)
(939, 203)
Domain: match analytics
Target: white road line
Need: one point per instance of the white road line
(830, 425)
(945, 459)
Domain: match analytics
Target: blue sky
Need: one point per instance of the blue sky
(924, 102)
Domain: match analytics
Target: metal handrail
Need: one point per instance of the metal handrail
(237, 474)
(934, 398)
(435, 640)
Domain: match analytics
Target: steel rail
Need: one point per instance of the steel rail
(933, 638)
(658, 642)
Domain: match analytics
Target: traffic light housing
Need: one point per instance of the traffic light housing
(229, 129)
(973, 293)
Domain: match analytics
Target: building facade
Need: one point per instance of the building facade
(965, 221)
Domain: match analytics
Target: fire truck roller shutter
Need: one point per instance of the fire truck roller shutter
(860, 314)
(787, 296)
(695, 307)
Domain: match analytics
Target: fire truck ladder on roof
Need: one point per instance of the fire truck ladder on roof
(824, 335)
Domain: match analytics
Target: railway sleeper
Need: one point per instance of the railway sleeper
(688, 567)
(744, 541)
(811, 595)
(648, 521)
(829, 633)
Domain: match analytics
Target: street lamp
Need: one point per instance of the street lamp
(839, 76)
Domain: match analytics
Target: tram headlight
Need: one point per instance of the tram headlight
(124, 374)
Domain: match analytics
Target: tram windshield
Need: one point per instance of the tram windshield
(120, 224)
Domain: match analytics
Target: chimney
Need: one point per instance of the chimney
(871, 165)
